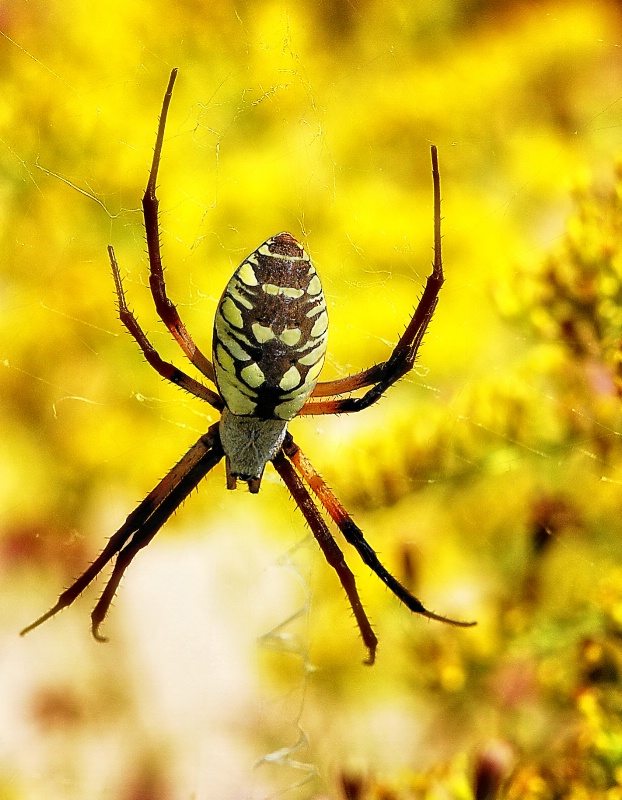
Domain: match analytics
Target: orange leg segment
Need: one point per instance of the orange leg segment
(330, 548)
(354, 535)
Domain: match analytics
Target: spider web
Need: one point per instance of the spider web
(202, 225)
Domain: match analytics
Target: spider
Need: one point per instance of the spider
(268, 348)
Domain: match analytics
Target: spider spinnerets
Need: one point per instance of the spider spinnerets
(269, 344)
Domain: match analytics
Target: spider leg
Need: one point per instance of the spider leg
(164, 368)
(382, 376)
(354, 535)
(142, 525)
(330, 548)
(165, 307)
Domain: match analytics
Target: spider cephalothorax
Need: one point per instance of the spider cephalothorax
(269, 343)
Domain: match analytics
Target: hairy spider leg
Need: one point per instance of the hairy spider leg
(141, 526)
(354, 535)
(165, 307)
(193, 474)
(403, 356)
(330, 549)
(164, 368)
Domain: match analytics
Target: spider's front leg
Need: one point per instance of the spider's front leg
(381, 376)
(165, 307)
(162, 367)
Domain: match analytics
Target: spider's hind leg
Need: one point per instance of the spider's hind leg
(354, 535)
(330, 548)
(141, 526)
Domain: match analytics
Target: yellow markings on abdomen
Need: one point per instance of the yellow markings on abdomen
(225, 336)
(233, 292)
(320, 325)
(314, 287)
(231, 313)
(318, 308)
(262, 333)
(270, 332)
(224, 359)
(290, 336)
(314, 355)
(285, 291)
(246, 274)
(290, 379)
(289, 408)
(237, 402)
(252, 375)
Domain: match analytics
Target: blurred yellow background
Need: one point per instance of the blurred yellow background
(490, 480)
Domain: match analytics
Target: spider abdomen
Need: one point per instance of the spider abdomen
(270, 332)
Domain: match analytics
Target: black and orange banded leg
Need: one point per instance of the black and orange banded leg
(381, 376)
(354, 535)
(330, 549)
(141, 526)
(164, 368)
(164, 306)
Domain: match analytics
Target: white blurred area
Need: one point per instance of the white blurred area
(173, 705)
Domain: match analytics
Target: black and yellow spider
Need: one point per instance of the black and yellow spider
(268, 349)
